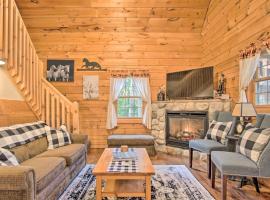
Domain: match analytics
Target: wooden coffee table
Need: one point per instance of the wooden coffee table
(119, 184)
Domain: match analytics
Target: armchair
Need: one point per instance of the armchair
(234, 163)
(207, 146)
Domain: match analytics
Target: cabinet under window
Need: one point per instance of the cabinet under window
(262, 81)
(129, 103)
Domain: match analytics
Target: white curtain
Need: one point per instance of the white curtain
(116, 84)
(143, 86)
(248, 68)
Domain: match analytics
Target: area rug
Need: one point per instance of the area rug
(171, 182)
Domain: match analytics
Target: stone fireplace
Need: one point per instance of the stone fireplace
(160, 122)
(182, 126)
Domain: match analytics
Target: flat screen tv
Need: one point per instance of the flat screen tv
(190, 84)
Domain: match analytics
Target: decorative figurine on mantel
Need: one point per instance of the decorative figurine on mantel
(161, 93)
(221, 91)
(221, 84)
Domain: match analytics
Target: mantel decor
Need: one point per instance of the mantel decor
(90, 66)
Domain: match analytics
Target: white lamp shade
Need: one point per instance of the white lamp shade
(244, 110)
(2, 62)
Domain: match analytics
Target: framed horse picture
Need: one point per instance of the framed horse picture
(60, 70)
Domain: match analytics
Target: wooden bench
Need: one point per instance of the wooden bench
(136, 141)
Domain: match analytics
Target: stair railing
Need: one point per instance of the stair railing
(26, 70)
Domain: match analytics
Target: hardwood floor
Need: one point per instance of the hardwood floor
(199, 171)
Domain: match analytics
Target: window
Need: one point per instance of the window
(262, 85)
(129, 104)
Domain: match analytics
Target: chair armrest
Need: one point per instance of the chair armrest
(80, 139)
(17, 181)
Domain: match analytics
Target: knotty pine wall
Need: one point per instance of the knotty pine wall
(159, 36)
(229, 27)
(15, 112)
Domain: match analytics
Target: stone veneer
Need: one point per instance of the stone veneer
(158, 119)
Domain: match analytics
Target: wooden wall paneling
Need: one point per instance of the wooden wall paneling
(15, 112)
(230, 27)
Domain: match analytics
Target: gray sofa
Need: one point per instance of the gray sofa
(234, 163)
(207, 146)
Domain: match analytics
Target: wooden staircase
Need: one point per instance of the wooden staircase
(27, 72)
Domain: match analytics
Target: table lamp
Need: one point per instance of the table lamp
(245, 111)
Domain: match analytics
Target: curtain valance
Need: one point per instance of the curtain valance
(129, 73)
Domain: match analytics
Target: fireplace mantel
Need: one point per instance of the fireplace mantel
(159, 121)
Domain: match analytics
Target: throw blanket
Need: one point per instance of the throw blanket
(21, 134)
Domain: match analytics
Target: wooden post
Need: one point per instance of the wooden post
(76, 122)
(213, 175)
(1, 29)
(5, 33)
(190, 157)
(10, 33)
(209, 165)
(224, 186)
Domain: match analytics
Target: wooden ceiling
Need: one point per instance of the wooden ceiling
(114, 15)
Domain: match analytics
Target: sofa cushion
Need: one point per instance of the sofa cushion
(37, 147)
(46, 169)
(21, 153)
(206, 146)
(130, 140)
(71, 153)
(232, 163)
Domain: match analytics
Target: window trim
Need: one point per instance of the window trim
(130, 119)
(255, 81)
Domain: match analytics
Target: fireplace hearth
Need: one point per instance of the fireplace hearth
(182, 126)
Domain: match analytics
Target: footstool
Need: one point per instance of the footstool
(136, 141)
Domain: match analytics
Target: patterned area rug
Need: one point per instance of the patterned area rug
(171, 182)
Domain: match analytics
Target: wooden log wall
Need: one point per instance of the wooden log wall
(229, 27)
(159, 36)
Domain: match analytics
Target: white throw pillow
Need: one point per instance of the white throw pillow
(58, 138)
(7, 158)
(218, 131)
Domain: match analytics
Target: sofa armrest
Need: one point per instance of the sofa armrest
(80, 139)
(17, 182)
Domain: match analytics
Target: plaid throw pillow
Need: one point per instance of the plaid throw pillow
(58, 138)
(218, 131)
(7, 158)
(21, 134)
(253, 141)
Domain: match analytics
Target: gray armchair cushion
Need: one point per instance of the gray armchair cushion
(263, 121)
(206, 146)
(232, 163)
(223, 116)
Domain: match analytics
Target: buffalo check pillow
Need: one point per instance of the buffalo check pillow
(58, 138)
(218, 131)
(7, 158)
(253, 141)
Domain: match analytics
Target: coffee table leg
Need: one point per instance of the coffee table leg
(148, 188)
(98, 188)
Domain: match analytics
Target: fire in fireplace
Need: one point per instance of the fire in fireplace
(182, 126)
